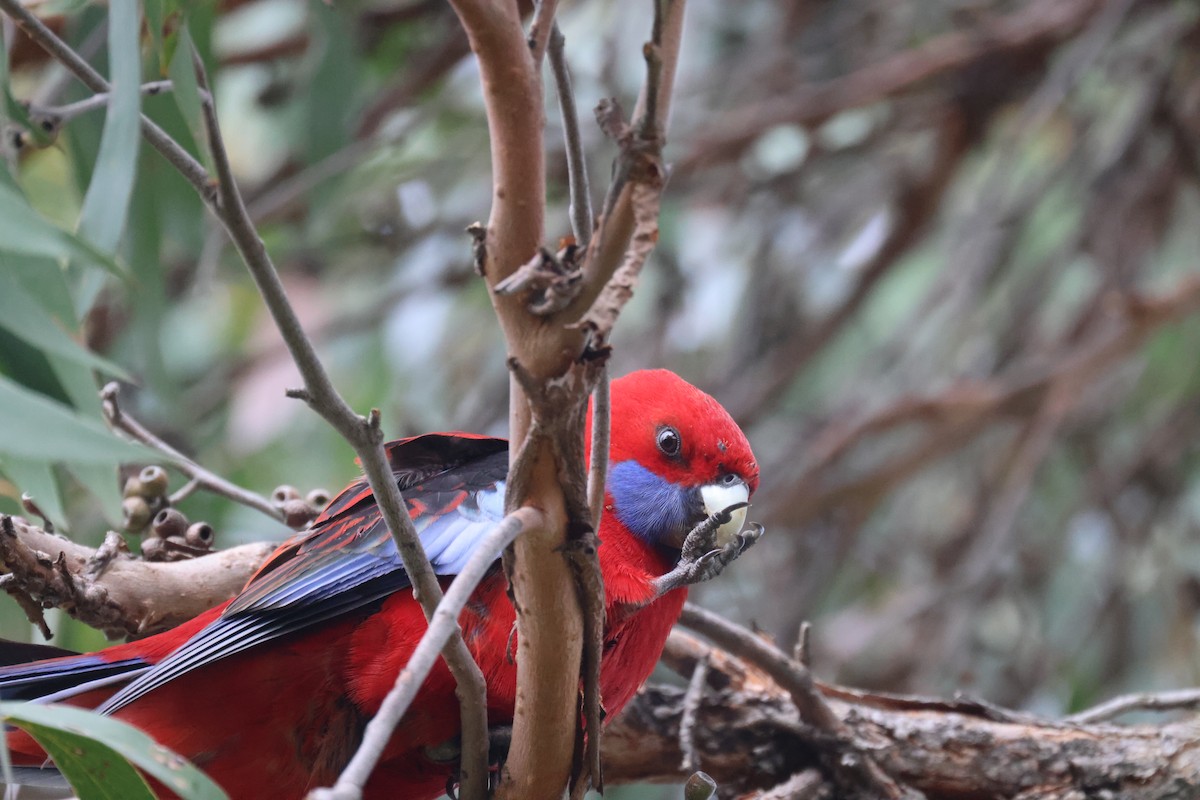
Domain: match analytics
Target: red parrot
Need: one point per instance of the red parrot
(271, 691)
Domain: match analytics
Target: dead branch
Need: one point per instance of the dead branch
(751, 739)
(115, 592)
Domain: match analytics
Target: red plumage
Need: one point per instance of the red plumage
(286, 713)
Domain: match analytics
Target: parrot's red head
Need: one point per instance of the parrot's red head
(675, 457)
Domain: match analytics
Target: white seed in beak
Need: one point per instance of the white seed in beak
(719, 496)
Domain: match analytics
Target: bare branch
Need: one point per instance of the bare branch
(750, 740)
(687, 723)
(200, 477)
(1177, 700)
(542, 29)
(639, 178)
(110, 590)
(854, 767)
(598, 465)
(577, 176)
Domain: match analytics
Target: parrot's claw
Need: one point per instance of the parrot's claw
(450, 752)
(700, 560)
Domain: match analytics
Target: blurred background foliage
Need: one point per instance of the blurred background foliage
(939, 258)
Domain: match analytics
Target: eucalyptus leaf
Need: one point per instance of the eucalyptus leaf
(79, 383)
(34, 426)
(36, 477)
(24, 231)
(186, 90)
(106, 203)
(97, 754)
(27, 318)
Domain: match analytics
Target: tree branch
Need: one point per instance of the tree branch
(200, 477)
(115, 592)
(364, 435)
(751, 739)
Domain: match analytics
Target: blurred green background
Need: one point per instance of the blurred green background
(938, 257)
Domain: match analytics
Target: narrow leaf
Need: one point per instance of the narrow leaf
(36, 477)
(25, 316)
(106, 204)
(26, 232)
(34, 426)
(100, 479)
(186, 91)
(95, 754)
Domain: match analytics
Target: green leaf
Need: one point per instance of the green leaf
(27, 318)
(106, 203)
(95, 754)
(186, 91)
(36, 477)
(23, 231)
(34, 426)
(100, 479)
(156, 18)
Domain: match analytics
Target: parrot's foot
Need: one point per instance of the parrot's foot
(702, 558)
(450, 751)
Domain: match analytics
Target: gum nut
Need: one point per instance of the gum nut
(154, 480)
(297, 513)
(318, 498)
(136, 513)
(169, 522)
(200, 534)
(133, 487)
(282, 494)
(153, 548)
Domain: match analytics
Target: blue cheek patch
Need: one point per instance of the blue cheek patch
(647, 504)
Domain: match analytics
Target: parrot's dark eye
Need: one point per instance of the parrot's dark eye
(668, 441)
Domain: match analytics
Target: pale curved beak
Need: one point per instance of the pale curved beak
(721, 495)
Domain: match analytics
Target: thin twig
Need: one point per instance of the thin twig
(598, 466)
(63, 114)
(540, 30)
(691, 707)
(181, 159)
(630, 210)
(579, 190)
(54, 80)
(119, 420)
(442, 627)
(1175, 700)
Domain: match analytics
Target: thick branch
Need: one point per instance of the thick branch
(749, 737)
(119, 594)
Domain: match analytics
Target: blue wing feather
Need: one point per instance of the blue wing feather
(348, 559)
